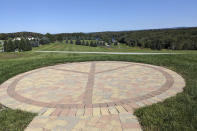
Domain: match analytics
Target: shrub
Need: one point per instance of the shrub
(44, 40)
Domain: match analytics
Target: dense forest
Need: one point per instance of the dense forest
(18, 45)
(175, 39)
(6, 36)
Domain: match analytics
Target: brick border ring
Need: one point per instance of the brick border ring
(165, 87)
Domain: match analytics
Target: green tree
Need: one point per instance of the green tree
(95, 44)
(10, 46)
(91, 43)
(78, 42)
(44, 40)
(28, 45)
(16, 43)
(86, 43)
(115, 43)
(71, 41)
(59, 38)
(51, 37)
(83, 42)
(66, 41)
(5, 46)
(22, 45)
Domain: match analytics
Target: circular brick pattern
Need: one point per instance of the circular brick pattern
(92, 84)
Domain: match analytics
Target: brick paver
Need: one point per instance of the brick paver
(89, 96)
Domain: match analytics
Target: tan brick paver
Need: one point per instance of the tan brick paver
(89, 96)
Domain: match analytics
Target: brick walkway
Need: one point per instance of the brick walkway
(89, 96)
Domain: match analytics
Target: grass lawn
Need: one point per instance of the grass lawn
(122, 48)
(176, 113)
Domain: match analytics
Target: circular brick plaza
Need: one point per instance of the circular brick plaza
(90, 87)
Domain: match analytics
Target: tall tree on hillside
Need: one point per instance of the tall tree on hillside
(86, 43)
(16, 42)
(51, 37)
(95, 44)
(78, 42)
(5, 45)
(66, 41)
(59, 38)
(115, 43)
(44, 40)
(22, 44)
(91, 43)
(3, 37)
(71, 41)
(28, 45)
(10, 46)
(83, 42)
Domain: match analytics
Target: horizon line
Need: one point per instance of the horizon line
(184, 27)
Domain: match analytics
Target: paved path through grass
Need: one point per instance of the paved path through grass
(89, 96)
(111, 53)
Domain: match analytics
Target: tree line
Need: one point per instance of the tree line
(157, 39)
(19, 45)
(174, 39)
(6, 36)
(92, 43)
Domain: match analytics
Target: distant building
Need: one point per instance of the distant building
(17, 38)
(34, 41)
(29, 38)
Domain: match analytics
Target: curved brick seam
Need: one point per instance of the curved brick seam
(131, 102)
(166, 86)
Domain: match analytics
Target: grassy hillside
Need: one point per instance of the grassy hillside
(121, 48)
(176, 113)
(174, 38)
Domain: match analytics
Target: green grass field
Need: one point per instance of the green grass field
(176, 113)
(122, 48)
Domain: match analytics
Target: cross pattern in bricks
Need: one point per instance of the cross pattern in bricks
(92, 113)
(88, 94)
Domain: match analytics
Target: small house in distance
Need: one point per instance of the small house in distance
(34, 41)
(29, 38)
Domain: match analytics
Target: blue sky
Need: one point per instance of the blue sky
(57, 16)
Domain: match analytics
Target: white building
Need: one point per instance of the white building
(29, 38)
(17, 38)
